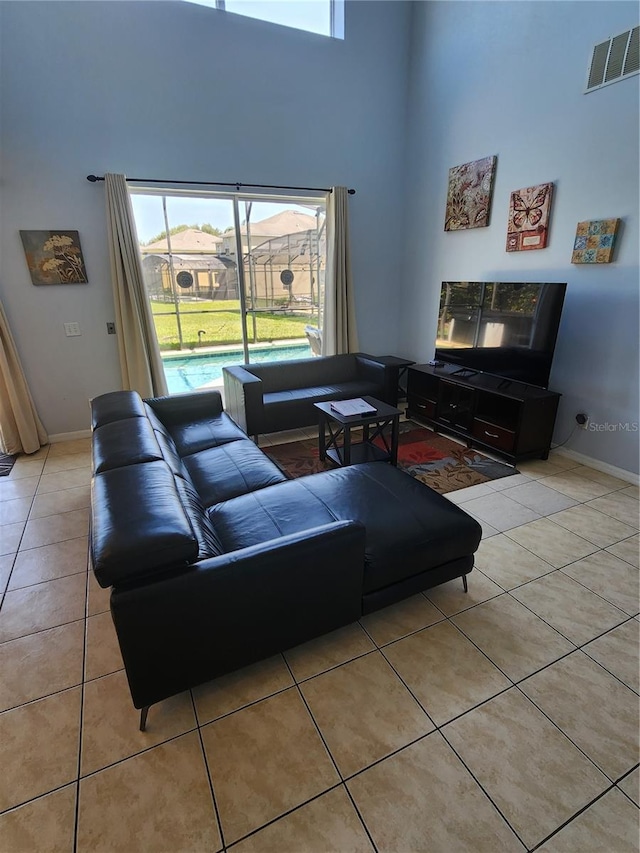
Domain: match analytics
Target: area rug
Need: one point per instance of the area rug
(6, 464)
(441, 463)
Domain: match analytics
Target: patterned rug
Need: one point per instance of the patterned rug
(441, 463)
(6, 464)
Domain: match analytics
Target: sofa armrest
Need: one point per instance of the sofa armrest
(238, 608)
(375, 371)
(243, 395)
(184, 408)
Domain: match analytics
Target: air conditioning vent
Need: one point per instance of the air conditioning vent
(614, 59)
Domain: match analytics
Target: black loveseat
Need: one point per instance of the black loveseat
(279, 395)
(216, 560)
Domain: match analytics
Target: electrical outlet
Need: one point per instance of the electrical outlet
(111, 328)
(71, 330)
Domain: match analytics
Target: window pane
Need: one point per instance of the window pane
(314, 16)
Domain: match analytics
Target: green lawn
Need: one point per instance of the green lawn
(223, 326)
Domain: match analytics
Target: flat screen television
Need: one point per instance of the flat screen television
(501, 327)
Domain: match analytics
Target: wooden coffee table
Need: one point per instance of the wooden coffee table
(334, 427)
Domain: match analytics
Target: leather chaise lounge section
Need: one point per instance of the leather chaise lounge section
(263, 398)
(216, 560)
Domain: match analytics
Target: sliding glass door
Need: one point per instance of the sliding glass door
(231, 278)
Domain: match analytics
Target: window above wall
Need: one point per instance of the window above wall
(324, 17)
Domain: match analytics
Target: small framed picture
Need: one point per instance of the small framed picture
(595, 239)
(528, 226)
(54, 257)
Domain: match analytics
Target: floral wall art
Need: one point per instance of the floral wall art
(529, 210)
(469, 195)
(54, 257)
(594, 242)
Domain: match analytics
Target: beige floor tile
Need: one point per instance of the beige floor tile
(551, 542)
(12, 489)
(74, 445)
(49, 562)
(604, 723)
(592, 525)
(539, 497)
(569, 607)
(400, 619)
(500, 512)
(10, 535)
(515, 640)
(618, 651)
(487, 529)
(558, 459)
(532, 772)
(600, 477)
(631, 492)
(508, 563)
(265, 760)
(613, 579)
(55, 528)
(610, 824)
(538, 468)
(328, 823)
(628, 550)
(631, 785)
(25, 467)
(56, 464)
(451, 598)
(98, 598)
(110, 722)
(243, 687)
(364, 712)
(39, 747)
(42, 453)
(617, 505)
(72, 479)
(34, 666)
(103, 652)
(328, 651)
(466, 494)
(157, 801)
(6, 564)
(446, 673)
(403, 799)
(574, 486)
(509, 482)
(66, 500)
(45, 605)
(13, 511)
(45, 825)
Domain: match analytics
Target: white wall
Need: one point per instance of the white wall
(507, 78)
(175, 90)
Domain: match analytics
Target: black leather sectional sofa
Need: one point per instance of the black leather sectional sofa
(216, 560)
(275, 396)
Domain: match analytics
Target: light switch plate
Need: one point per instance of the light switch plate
(72, 329)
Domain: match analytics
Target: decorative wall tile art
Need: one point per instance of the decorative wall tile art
(595, 239)
(54, 257)
(529, 211)
(469, 195)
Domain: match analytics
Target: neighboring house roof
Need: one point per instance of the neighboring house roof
(287, 222)
(191, 262)
(191, 240)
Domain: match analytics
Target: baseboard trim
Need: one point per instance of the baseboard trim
(621, 473)
(69, 436)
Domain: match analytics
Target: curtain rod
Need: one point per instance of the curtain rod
(236, 184)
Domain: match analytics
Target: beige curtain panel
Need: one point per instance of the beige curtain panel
(20, 428)
(140, 362)
(339, 333)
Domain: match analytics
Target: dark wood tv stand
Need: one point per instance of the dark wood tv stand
(509, 418)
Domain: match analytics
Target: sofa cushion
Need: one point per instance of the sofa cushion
(202, 434)
(125, 442)
(301, 373)
(409, 527)
(231, 469)
(116, 406)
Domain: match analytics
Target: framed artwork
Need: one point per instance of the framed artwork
(528, 226)
(595, 240)
(469, 195)
(54, 257)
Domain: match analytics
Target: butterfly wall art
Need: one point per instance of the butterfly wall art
(529, 210)
(469, 195)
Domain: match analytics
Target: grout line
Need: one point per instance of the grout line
(573, 817)
(207, 770)
(81, 718)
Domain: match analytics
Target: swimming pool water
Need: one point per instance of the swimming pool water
(191, 372)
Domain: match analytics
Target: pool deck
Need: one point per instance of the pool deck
(225, 349)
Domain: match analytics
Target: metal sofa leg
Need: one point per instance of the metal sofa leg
(143, 718)
(464, 583)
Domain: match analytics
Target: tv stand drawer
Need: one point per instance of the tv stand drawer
(426, 408)
(496, 436)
